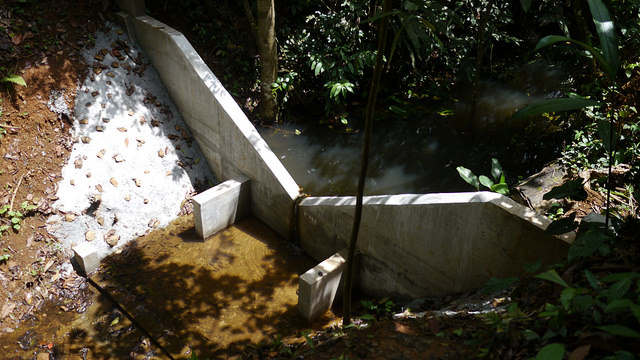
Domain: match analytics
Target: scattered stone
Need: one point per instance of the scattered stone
(126, 142)
(142, 120)
(99, 57)
(114, 64)
(111, 238)
(99, 188)
(99, 128)
(131, 113)
(137, 181)
(146, 171)
(101, 153)
(118, 158)
(85, 139)
(69, 217)
(104, 106)
(161, 153)
(108, 82)
(94, 93)
(87, 104)
(105, 120)
(78, 163)
(100, 220)
(88, 174)
(155, 122)
(113, 182)
(84, 121)
(146, 201)
(110, 74)
(104, 52)
(97, 70)
(140, 142)
(122, 129)
(72, 182)
(169, 173)
(153, 223)
(127, 197)
(90, 235)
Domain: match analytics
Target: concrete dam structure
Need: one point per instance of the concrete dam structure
(410, 246)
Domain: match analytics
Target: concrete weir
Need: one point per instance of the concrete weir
(410, 245)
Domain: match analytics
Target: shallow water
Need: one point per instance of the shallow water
(218, 297)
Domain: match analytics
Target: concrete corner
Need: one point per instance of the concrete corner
(133, 7)
(319, 285)
(221, 206)
(86, 257)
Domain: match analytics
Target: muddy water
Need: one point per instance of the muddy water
(217, 297)
(419, 153)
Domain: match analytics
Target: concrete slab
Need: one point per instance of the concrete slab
(86, 257)
(221, 206)
(318, 286)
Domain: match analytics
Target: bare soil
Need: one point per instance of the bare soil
(39, 41)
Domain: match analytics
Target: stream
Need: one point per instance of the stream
(419, 152)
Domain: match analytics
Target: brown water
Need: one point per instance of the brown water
(218, 297)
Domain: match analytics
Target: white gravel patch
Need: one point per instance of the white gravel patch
(134, 162)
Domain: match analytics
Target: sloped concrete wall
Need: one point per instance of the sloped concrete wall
(430, 245)
(227, 138)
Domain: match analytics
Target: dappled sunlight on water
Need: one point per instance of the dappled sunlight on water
(219, 297)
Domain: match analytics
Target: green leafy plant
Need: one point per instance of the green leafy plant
(15, 217)
(498, 184)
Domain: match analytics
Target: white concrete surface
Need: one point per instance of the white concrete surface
(318, 286)
(221, 206)
(430, 245)
(86, 257)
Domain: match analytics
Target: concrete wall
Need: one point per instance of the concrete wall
(227, 138)
(429, 245)
(411, 245)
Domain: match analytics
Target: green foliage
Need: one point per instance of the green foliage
(15, 217)
(500, 185)
(13, 79)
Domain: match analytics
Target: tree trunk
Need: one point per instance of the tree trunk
(267, 48)
(369, 115)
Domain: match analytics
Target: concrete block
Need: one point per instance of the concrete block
(221, 206)
(86, 257)
(134, 7)
(318, 286)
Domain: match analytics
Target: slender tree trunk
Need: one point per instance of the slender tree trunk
(369, 115)
(267, 47)
(482, 34)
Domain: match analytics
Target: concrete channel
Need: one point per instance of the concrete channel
(411, 245)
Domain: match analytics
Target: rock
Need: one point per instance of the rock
(113, 182)
(90, 235)
(99, 128)
(111, 238)
(78, 163)
(94, 93)
(99, 188)
(85, 139)
(118, 158)
(127, 197)
(84, 121)
(72, 182)
(161, 153)
(110, 74)
(137, 181)
(146, 201)
(101, 153)
(122, 129)
(69, 217)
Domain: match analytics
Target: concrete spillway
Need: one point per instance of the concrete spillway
(411, 245)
